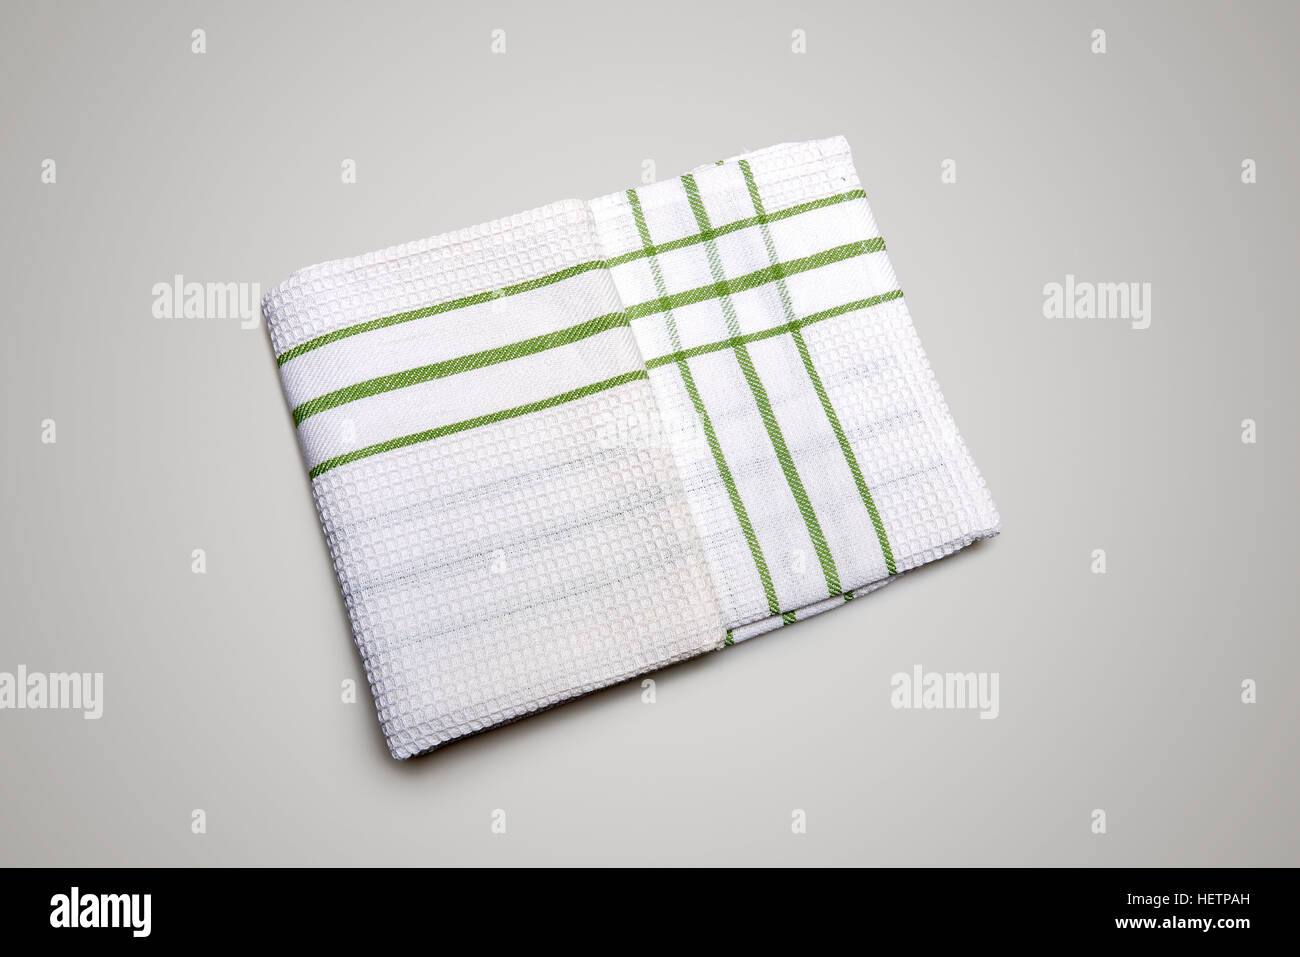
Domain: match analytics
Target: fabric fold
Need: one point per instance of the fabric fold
(562, 449)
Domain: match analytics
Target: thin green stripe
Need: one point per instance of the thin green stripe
(717, 231)
(792, 324)
(479, 298)
(477, 360)
(772, 333)
(443, 430)
(688, 380)
(764, 403)
(760, 277)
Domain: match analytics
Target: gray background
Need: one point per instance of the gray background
(222, 691)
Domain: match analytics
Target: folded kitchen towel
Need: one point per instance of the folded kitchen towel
(565, 448)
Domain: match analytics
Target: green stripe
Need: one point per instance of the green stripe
(728, 287)
(688, 380)
(477, 299)
(813, 376)
(772, 333)
(788, 618)
(763, 402)
(477, 360)
(715, 232)
(443, 430)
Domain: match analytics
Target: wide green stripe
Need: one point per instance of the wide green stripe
(479, 298)
(760, 277)
(765, 411)
(477, 360)
(772, 333)
(818, 386)
(491, 418)
(476, 299)
(717, 231)
(715, 447)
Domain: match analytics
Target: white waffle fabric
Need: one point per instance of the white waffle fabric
(565, 448)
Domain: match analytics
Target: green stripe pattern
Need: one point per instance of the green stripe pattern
(526, 409)
(688, 380)
(477, 360)
(709, 234)
(722, 287)
(775, 331)
(479, 298)
(761, 399)
(796, 333)
(663, 304)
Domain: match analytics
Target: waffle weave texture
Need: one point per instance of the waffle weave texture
(562, 449)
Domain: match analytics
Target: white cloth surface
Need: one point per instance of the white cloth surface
(562, 449)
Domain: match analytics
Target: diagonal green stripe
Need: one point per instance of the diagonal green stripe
(717, 231)
(477, 360)
(797, 335)
(467, 424)
(774, 332)
(761, 399)
(479, 298)
(760, 277)
(476, 299)
(688, 380)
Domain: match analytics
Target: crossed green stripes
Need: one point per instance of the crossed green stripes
(479, 298)
(722, 289)
(688, 380)
(723, 344)
(718, 231)
(795, 329)
(761, 399)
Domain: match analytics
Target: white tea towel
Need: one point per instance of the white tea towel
(566, 448)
